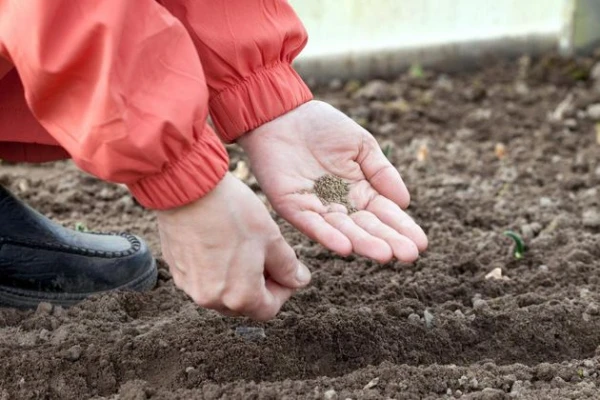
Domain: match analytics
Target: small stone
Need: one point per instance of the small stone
(374, 90)
(558, 382)
(474, 383)
(429, 319)
(459, 314)
(496, 274)
(592, 309)
(543, 268)
(545, 371)
(250, 333)
(589, 364)
(44, 308)
(330, 395)
(189, 370)
(374, 382)
(414, 318)
(518, 387)
(593, 111)
(545, 201)
(336, 84)
(389, 128)
(44, 334)
(591, 218)
(73, 353)
(570, 123)
(480, 304)
(163, 343)
(462, 381)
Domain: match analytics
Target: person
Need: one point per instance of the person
(125, 89)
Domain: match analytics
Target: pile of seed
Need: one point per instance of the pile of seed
(332, 189)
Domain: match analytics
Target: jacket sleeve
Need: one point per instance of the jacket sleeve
(120, 86)
(246, 48)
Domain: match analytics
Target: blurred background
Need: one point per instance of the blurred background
(358, 38)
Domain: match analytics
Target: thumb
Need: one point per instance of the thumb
(283, 267)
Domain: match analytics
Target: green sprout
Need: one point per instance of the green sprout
(387, 151)
(416, 71)
(80, 227)
(519, 244)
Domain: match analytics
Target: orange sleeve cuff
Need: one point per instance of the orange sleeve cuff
(188, 178)
(263, 96)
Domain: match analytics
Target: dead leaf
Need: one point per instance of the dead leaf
(500, 151)
(371, 384)
(423, 153)
(241, 171)
(496, 274)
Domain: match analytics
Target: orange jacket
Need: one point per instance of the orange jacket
(124, 87)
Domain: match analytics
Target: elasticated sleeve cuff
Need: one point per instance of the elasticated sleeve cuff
(260, 98)
(190, 177)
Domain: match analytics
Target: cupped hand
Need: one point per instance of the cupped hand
(290, 153)
(226, 252)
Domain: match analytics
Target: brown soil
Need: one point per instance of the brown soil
(437, 329)
(332, 189)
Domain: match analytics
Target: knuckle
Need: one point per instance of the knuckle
(204, 298)
(241, 300)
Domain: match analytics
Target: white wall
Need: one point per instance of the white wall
(357, 26)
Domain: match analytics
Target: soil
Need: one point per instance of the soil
(332, 189)
(437, 329)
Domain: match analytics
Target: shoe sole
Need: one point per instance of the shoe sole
(19, 298)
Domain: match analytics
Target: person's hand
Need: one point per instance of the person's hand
(226, 252)
(290, 153)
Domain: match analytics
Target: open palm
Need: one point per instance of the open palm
(291, 152)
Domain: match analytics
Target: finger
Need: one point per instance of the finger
(318, 229)
(271, 297)
(403, 248)
(363, 243)
(259, 299)
(391, 215)
(282, 265)
(381, 174)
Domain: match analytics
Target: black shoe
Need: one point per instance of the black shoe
(41, 261)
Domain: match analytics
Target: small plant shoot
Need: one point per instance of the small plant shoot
(387, 151)
(519, 250)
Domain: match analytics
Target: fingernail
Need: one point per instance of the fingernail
(302, 274)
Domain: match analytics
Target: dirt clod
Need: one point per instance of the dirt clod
(332, 189)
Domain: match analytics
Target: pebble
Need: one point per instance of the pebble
(545, 201)
(250, 333)
(336, 84)
(593, 111)
(330, 395)
(496, 274)
(592, 309)
(44, 308)
(591, 218)
(372, 383)
(429, 319)
(44, 334)
(480, 304)
(545, 371)
(73, 353)
(543, 268)
(375, 89)
(189, 370)
(589, 364)
(414, 318)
